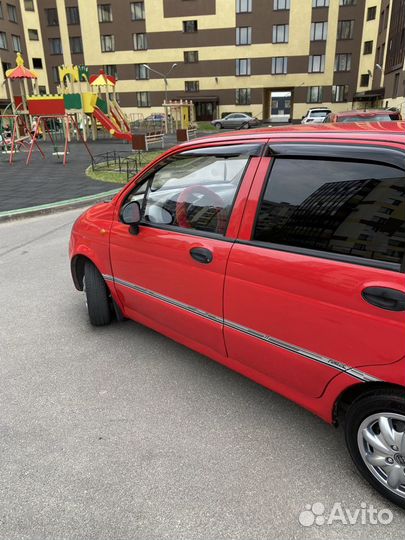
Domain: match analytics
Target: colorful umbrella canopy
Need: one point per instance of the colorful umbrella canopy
(102, 79)
(20, 72)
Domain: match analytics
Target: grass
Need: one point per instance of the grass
(205, 126)
(116, 177)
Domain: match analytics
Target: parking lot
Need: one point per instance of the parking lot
(120, 433)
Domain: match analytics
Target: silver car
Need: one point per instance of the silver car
(235, 120)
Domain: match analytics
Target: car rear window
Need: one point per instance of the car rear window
(371, 118)
(341, 207)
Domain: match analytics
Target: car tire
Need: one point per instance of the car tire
(218, 125)
(375, 438)
(97, 296)
(246, 126)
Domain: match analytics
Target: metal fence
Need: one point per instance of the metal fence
(119, 161)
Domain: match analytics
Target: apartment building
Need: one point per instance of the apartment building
(224, 55)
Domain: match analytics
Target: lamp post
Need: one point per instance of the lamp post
(163, 75)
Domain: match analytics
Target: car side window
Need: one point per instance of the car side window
(341, 207)
(192, 192)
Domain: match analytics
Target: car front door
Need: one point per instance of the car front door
(170, 275)
(315, 284)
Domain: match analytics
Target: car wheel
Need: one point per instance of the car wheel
(375, 437)
(218, 125)
(246, 126)
(97, 297)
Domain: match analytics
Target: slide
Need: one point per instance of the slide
(109, 125)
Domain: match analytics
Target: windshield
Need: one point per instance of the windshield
(371, 118)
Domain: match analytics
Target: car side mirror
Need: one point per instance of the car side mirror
(131, 215)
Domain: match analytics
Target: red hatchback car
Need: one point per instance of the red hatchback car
(279, 253)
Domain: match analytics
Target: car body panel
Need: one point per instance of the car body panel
(296, 300)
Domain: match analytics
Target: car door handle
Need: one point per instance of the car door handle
(201, 255)
(384, 298)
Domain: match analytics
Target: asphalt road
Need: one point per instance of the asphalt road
(119, 433)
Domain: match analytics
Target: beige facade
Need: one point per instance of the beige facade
(313, 33)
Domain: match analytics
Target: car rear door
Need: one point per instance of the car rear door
(171, 274)
(315, 284)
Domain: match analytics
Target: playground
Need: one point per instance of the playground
(84, 108)
(78, 142)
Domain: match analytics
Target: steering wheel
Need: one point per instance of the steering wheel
(214, 200)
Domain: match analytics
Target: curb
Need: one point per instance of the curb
(59, 206)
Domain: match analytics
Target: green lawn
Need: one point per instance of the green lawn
(109, 175)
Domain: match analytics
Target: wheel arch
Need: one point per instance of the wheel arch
(77, 265)
(356, 392)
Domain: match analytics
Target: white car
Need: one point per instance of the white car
(315, 116)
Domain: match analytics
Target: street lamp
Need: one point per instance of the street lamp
(163, 75)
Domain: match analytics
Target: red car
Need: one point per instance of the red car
(383, 115)
(280, 254)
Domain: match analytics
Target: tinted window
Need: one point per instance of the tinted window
(193, 192)
(337, 206)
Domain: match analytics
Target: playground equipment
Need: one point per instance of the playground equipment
(78, 109)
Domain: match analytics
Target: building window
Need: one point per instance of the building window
(72, 15)
(347, 2)
(281, 4)
(107, 43)
(141, 72)
(29, 5)
(142, 99)
(76, 46)
(55, 45)
(343, 62)
(1, 11)
(243, 96)
(140, 42)
(279, 65)
(104, 13)
(190, 57)
(55, 74)
(280, 33)
(345, 29)
(319, 31)
(52, 17)
(320, 3)
(339, 93)
(368, 47)
(189, 27)
(364, 79)
(316, 63)
(16, 41)
(12, 13)
(3, 40)
(37, 63)
(314, 94)
(111, 70)
(244, 35)
(191, 86)
(371, 13)
(33, 34)
(243, 66)
(137, 11)
(243, 6)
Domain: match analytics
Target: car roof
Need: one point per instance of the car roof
(366, 112)
(391, 132)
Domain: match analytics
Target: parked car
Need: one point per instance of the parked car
(279, 253)
(383, 115)
(236, 120)
(316, 115)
